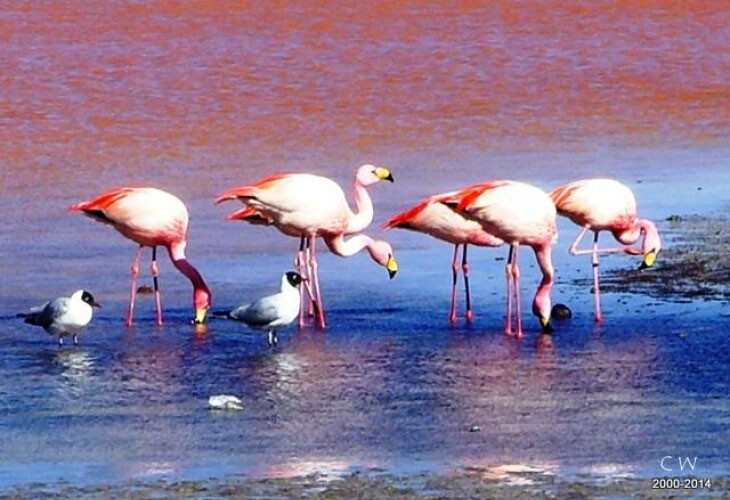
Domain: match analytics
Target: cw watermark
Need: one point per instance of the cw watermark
(670, 463)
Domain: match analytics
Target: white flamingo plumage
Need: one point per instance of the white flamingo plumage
(606, 205)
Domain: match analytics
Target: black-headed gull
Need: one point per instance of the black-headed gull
(64, 315)
(274, 311)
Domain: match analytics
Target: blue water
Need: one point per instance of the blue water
(389, 384)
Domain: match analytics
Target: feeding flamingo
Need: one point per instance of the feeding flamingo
(606, 205)
(150, 217)
(307, 206)
(518, 214)
(432, 217)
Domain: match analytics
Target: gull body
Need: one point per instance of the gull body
(64, 316)
(273, 311)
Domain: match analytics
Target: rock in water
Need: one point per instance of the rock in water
(561, 312)
(225, 402)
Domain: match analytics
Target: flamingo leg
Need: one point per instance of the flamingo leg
(303, 294)
(467, 290)
(516, 278)
(319, 309)
(596, 288)
(508, 273)
(310, 302)
(156, 281)
(573, 250)
(134, 269)
(455, 272)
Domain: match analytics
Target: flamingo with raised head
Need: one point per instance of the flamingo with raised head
(606, 205)
(519, 214)
(150, 217)
(433, 217)
(307, 206)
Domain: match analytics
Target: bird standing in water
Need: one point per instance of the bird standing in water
(64, 316)
(519, 214)
(606, 205)
(150, 217)
(273, 311)
(433, 217)
(308, 206)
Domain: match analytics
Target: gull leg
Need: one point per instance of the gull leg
(60, 341)
(76, 339)
(134, 269)
(596, 288)
(467, 290)
(455, 272)
(271, 337)
(156, 281)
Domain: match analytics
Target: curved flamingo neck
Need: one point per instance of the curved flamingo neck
(180, 261)
(364, 215)
(345, 248)
(542, 303)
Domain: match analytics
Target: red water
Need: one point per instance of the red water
(111, 87)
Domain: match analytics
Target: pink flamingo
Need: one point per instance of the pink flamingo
(432, 217)
(307, 206)
(606, 204)
(150, 217)
(518, 214)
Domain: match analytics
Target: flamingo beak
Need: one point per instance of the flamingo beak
(200, 314)
(649, 260)
(384, 174)
(392, 267)
(545, 324)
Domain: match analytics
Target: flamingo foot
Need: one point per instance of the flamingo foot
(469, 315)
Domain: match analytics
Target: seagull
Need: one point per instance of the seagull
(269, 313)
(64, 315)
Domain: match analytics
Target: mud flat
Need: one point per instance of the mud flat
(694, 264)
(355, 486)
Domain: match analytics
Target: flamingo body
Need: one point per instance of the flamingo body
(150, 217)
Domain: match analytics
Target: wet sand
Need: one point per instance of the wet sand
(526, 485)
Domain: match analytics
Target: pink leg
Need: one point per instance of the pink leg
(303, 295)
(516, 278)
(133, 291)
(155, 279)
(319, 309)
(508, 272)
(455, 272)
(307, 257)
(596, 289)
(467, 290)
(573, 250)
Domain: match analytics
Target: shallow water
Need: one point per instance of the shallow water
(197, 99)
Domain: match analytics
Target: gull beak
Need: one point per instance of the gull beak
(383, 174)
(545, 324)
(96, 304)
(392, 267)
(200, 316)
(649, 260)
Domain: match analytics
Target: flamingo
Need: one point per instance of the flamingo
(307, 206)
(150, 217)
(606, 205)
(433, 217)
(519, 214)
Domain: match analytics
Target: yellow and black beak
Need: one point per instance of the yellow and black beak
(200, 316)
(384, 174)
(392, 267)
(545, 324)
(649, 260)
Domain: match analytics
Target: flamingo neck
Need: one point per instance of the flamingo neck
(651, 236)
(364, 215)
(542, 304)
(201, 292)
(345, 248)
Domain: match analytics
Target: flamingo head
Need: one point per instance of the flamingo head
(370, 174)
(201, 302)
(382, 253)
(652, 244)
(541, 307)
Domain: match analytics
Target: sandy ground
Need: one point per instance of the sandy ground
(695, 264)
(358, 486)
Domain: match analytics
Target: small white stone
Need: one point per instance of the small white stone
(225, 402)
